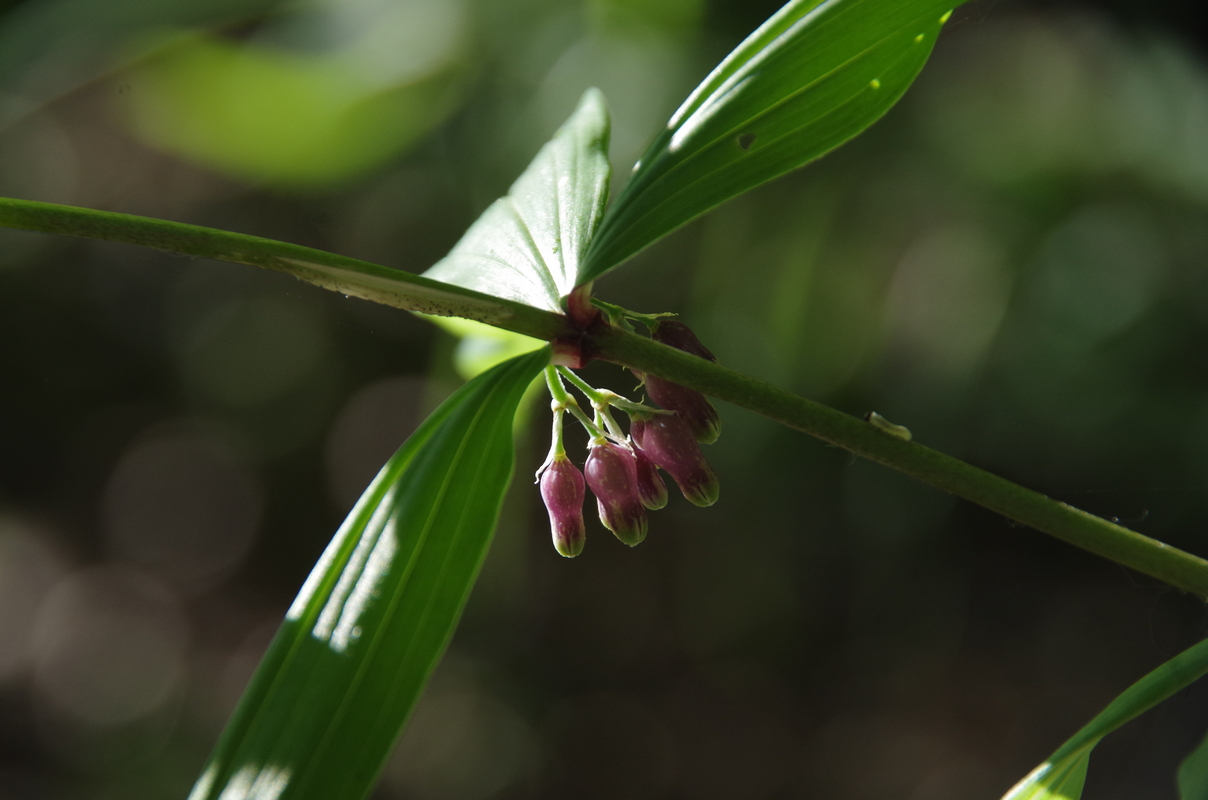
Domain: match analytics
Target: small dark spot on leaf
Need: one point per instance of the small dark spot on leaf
(745, 140)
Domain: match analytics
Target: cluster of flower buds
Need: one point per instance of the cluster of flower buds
(622, 470)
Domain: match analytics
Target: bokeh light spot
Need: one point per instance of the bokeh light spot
(182, 506)
(109, 646)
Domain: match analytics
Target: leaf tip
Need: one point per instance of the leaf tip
(592, 114)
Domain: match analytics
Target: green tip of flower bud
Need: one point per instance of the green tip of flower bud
(630, 529)
(705, 491)
(709, 432)
(569, 547)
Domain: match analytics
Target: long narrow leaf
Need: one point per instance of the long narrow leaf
(810, 78)
(345, 669)
(528, 245)
(1061, 777)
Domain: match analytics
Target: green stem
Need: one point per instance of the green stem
(611, 423)
(603, 399)
(338, 273)
(566, 401)
(557, 448)
(556, 390)
(403, 290)
(557, 451)
(594, 395)
(1065, 522)
(620, 316)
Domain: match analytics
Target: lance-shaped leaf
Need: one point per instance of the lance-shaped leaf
(528, 246)
(338, 681)
(1062, 776)
(810, 78)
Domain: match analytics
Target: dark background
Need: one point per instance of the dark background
(1013, 263)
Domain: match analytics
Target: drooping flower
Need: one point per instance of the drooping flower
(651, 489)
(611, 472)
(676, 334)
(693, 407)
(562, 489)
(670, 443)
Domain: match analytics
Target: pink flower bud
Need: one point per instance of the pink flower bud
(678, 335)
(669, 443)
(693, 407)
(562, 490)
(651, 489)
(611, 472)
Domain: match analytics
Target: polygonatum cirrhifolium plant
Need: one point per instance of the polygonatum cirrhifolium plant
(371, 621)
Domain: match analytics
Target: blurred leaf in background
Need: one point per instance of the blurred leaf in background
(50, 48)
(321, 93)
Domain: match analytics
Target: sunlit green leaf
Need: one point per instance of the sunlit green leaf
(368, 626)
(529, 245)
(810, 78)
(83, 37)
(1064, 773)
(1054, 780)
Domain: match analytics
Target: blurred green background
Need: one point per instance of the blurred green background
(1014, 264)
